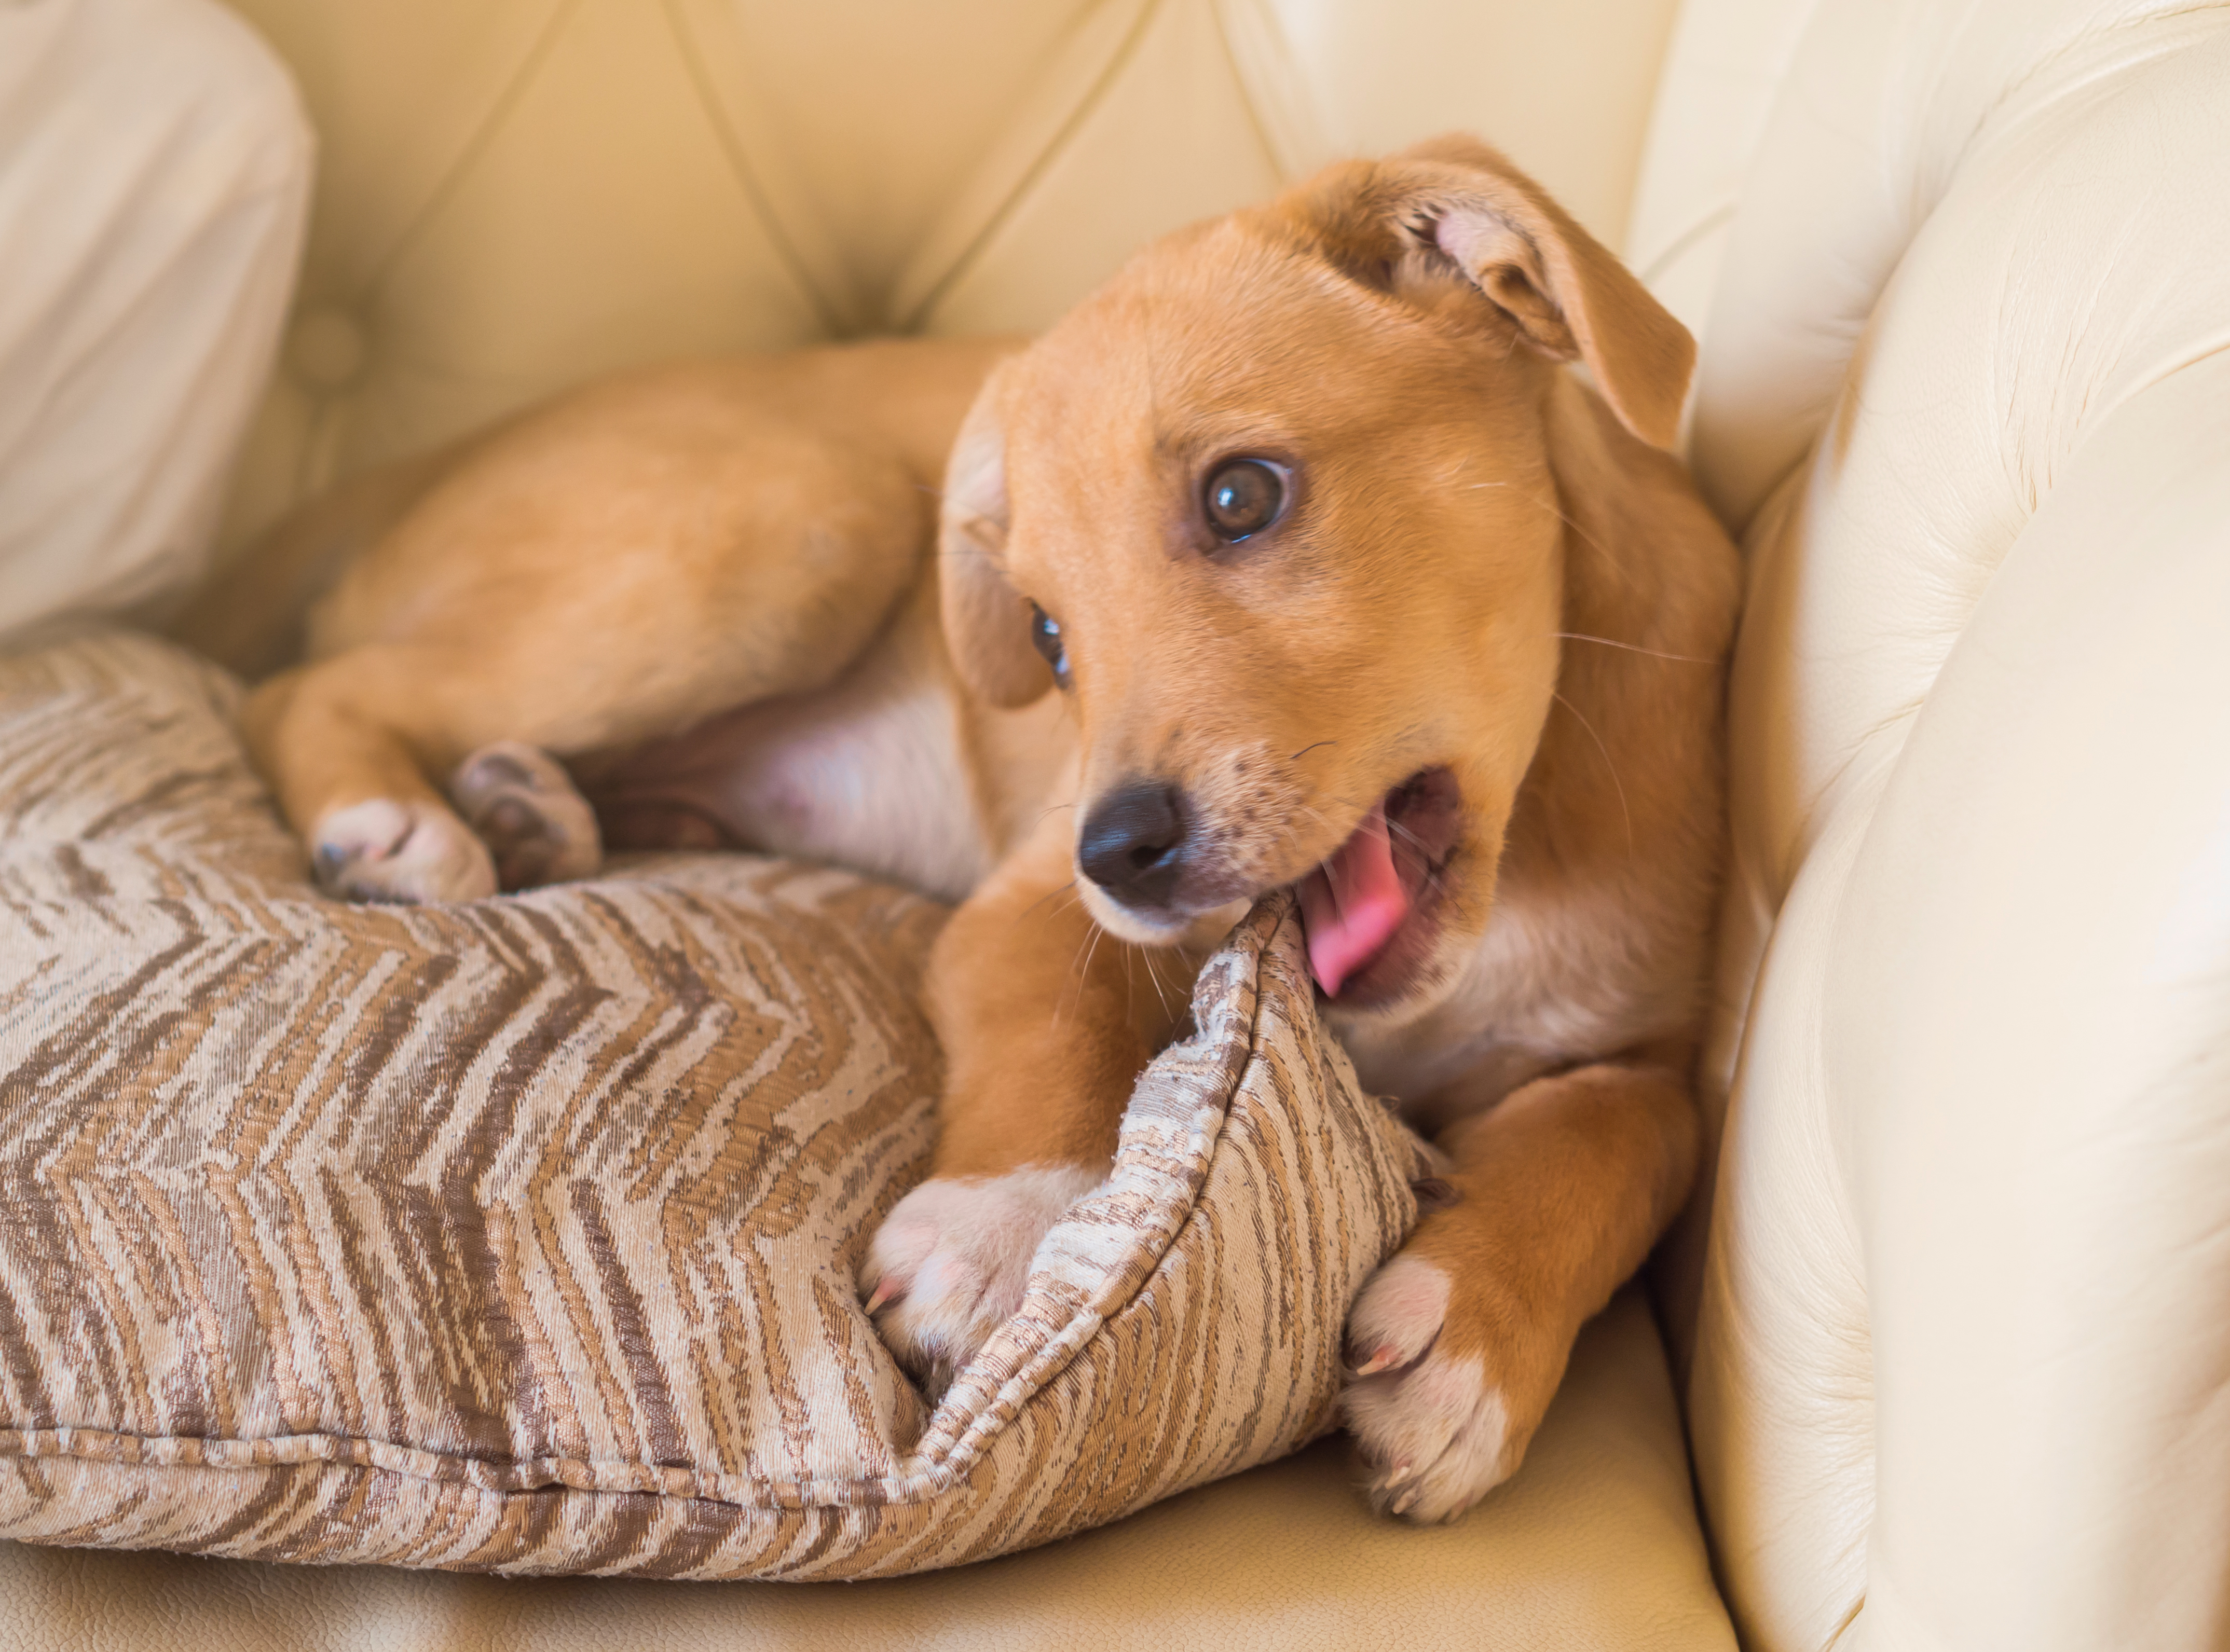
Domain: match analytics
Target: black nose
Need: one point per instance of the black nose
(1133, 842)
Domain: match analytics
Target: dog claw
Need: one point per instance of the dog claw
(1407, 1499)
(1400, 1472)
(886, 1288)
(1381, 1358)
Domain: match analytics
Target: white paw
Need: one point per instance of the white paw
(948, 1266)
(522, 803)
(1436, 1431)
(385, 850)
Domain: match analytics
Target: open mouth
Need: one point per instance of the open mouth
(1368, 910)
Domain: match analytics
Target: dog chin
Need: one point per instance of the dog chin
(1203, 929)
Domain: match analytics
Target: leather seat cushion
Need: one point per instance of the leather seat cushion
(1593, 1547)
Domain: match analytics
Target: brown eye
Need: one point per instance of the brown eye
(1045, 636)
(1243, 497)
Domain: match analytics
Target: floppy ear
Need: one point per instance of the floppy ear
(1455, 202)
(987, 623)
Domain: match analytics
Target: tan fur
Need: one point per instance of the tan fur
(708, 590)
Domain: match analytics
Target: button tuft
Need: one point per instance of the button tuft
(327, 350)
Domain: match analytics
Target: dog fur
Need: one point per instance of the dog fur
(787, 604)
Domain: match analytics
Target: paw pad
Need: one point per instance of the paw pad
(523, 804)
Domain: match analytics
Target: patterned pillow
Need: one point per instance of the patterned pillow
(520, 1235)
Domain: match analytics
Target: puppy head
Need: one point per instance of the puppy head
(1274, 508)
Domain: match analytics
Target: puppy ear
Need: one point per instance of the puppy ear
(1455, 202)
(987, 622)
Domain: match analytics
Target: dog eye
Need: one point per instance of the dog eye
(1045, 636)
(1242, 497)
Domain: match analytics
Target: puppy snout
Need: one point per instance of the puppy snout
(1133, 842)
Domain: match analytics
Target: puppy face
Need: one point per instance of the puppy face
(1274, 508)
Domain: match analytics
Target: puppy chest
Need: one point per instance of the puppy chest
(1553, 981)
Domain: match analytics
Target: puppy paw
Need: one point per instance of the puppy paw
(522, 803)
(948, 1266)
(1436, 1415)
(385, 850)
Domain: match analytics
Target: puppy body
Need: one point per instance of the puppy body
(1459, 681)
(730, 551)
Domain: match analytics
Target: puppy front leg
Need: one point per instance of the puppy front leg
(1047, 1021)
(1458, 1343)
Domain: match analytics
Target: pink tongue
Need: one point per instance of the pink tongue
(1352, 905)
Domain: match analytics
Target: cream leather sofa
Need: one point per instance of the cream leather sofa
(1948, 1321)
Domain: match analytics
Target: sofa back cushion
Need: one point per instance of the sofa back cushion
(515, 195)
(1957, 1348)
(154, 183)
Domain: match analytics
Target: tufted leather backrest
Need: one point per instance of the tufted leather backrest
(1960, 1362)
(516, 194)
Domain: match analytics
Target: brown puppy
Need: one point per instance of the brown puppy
(1293, 557)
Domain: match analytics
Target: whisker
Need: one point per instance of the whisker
(1155, 976)
(1582, 534)
(1634, 648)
(1395, 827)
(1608, 763)
(1043, 898)
(1076, 975)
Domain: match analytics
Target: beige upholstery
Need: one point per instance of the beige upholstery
(1593, 1547)
(1954, 1310)
(154, 181)
(514, 195)
(1961, 1370)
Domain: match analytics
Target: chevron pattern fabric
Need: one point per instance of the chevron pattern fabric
(520, 1235)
